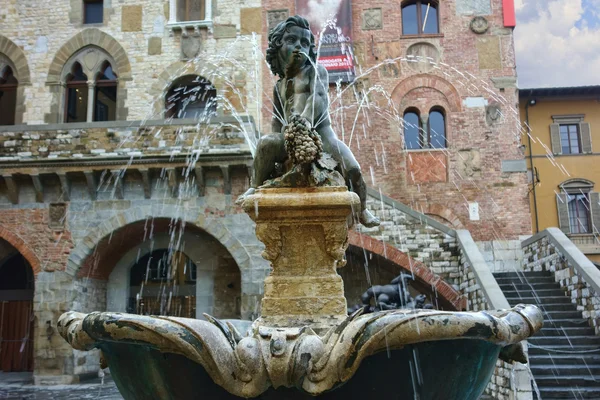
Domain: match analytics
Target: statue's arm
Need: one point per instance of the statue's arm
(278, 117)
(317, 103)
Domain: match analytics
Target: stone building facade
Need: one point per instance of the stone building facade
(109, 161)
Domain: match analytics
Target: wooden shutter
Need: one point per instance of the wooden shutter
(563, 212)
(182, 10)
(196, 10)
(555, 138)
(595, 207)
(586, 137)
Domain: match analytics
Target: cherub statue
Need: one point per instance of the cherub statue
(301, 103)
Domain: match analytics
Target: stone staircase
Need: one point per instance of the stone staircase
(572, 371)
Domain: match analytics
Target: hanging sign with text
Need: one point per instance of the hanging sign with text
(331, 23)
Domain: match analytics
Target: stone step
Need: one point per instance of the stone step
(525, 279)
(551, 341)
(565, 331)
(533, 293)
(563, 349)
(552, 315)
(529, 274)
(578, 392)
(564, 370)
(529, 286)
(567, 380)
(565, 359)
(514, 300)
(557, 307)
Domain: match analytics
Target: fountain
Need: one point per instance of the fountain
(304, 343)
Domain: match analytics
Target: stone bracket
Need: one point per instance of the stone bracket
(146, 180)
(64, 186)
(13, 189)
(91, 184)
(118, 184)
(38, 187)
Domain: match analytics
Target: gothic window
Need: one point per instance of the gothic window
(77, 95)
(578, 207)
(93, 11)
(420, 17)
(105, 103)
(190, 10)
(8, 95)
(436, 129)
(412, 130)
(91, 87)
(191, 96)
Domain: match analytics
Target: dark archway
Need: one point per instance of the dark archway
(16, 312)
(191, 96)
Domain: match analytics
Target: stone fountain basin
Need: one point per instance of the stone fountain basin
(404, 354)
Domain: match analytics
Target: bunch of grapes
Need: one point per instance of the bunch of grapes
(302, 144)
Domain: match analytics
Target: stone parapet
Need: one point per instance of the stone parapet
(551, 250)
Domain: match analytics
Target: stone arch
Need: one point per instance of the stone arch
(422, 274)
(91, 37)
(428, 81)
(16, 59)
(212, 226)
(437, 210)
(178, 69)
(22, 248)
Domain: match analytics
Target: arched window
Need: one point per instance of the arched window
(105, 103)
(91, 87)
(436, 129)
(412, 130)
(420, 17)
(191, 96)
(8, 96)
(77, 95)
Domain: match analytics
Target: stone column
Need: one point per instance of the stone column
(173, 11)
(305, 232)
(208, 10)
(90, 104)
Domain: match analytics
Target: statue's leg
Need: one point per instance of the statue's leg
(270, 149)
(351, 171)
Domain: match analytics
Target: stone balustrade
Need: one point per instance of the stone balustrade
(551, 250)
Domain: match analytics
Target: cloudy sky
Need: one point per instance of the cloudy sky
(558, 42)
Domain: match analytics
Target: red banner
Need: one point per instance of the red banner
(331, 23)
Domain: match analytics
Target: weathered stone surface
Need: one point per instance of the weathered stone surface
(154, 46)
(276, 16)
(224, 31)
(488, 51)
(289, 221)
(372, 18)
(250, 20)
(131, 18)
(473, 7)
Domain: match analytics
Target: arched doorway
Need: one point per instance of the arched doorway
(16, 311)
(163, 266)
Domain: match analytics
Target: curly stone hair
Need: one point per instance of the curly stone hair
(275, 43)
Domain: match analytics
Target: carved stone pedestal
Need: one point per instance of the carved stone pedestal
(305, 232)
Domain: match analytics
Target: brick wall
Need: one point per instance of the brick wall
(463, 81)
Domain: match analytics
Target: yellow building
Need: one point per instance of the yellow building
(563, 153)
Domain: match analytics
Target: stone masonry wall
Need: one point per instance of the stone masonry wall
(501, 385)
(152, 49)
(436, 249)
(543, 255)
